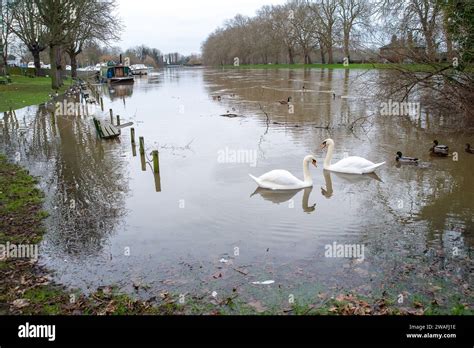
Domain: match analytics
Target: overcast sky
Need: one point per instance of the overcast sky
(179, 25)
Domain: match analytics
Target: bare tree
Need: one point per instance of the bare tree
(305, 28)
(352, 12)
(97, 24)
(61, 18)
(5, 29)
(281, 17)
(28, 28)
(325, 12)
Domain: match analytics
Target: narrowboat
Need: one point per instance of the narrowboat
(117, 73)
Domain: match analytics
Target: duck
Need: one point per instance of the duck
(468, 149)
(439, 150)
(283, 180)
(349, 165)
(403, 159)
(285, 102)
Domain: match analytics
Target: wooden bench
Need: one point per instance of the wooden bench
(106, 131)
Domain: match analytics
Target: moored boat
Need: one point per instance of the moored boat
(117, 73)
(139, 69)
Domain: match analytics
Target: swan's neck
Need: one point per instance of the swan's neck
(307, 174)
(327, 161)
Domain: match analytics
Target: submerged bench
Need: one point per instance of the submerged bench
(106, 131)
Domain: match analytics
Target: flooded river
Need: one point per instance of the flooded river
(200, 226)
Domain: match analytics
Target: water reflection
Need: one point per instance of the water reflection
(85, 183)
(328, 191)
(118, 91)
(280, 197)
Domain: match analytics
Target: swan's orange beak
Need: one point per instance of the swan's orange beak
(315, 163)
(323, 146)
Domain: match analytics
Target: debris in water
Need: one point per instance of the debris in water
(266, 282)
(223, 260)
(230, 115)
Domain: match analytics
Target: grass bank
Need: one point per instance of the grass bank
(27, 289)
(25, 91)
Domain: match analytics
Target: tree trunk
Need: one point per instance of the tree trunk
(323, 52)
(330, 55)
(73, 58)
(55, 67)
(61, 66)
(329, 46)
(430, 46)
(36, 58)
(290, 55)
(307, 57)
(346, 45)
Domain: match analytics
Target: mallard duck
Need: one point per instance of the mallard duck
(439, 150)
(285, 102)
(409, 160)
(468, 149)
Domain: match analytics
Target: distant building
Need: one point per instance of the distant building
(401, 51)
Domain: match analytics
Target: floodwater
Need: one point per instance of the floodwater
(200, 226)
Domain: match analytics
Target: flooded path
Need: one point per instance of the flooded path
(202, 226)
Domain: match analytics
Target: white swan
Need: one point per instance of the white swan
(349, 165)
(284, 180)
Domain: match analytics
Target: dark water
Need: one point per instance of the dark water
(109, 225)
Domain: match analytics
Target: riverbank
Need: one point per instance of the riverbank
(25, 91)
(366, 66)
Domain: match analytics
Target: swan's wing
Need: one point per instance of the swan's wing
(355, 165)
(279, 178)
